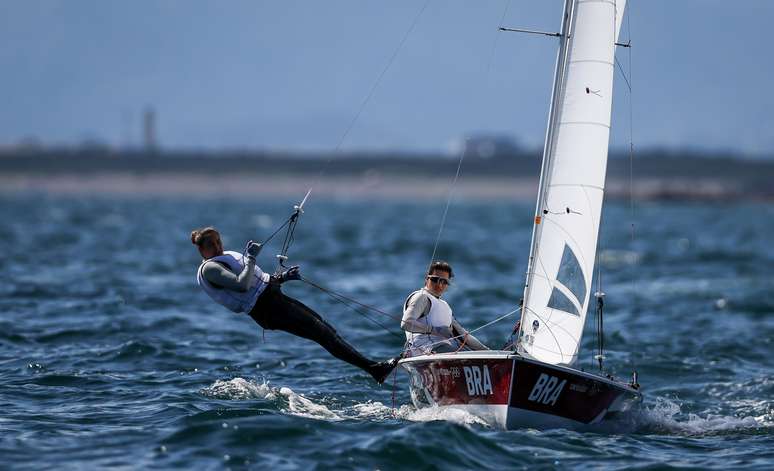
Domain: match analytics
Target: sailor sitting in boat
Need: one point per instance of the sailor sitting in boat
(235, 281)
(428, 321)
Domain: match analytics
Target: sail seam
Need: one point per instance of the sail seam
(547, 322)
(594, 187)
(594, 61)
(556, 340)
(592, 123)
(609, 2)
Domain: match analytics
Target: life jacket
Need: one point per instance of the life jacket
(439, 315)
(234, 300)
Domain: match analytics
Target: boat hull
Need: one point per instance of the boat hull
(511, 391)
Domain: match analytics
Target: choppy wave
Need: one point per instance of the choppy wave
(667, 417)
(290, 402)
(111, 357)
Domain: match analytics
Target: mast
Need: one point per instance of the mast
(545, 170)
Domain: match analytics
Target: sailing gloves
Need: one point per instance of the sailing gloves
(292, 273)
(253, 249)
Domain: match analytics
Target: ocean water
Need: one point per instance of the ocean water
(110, 356)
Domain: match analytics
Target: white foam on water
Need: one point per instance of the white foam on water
(378, 411)
(288, 401)
(448, 414)
(239, 389)
(664, 416)
(296, 404)
(301, 406)
(371, 410)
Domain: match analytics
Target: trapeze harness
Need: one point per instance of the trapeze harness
(439, 315)
(234, 300)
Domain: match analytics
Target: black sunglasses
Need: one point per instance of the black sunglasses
(438, 279)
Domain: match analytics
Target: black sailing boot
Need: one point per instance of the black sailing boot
(381, 370)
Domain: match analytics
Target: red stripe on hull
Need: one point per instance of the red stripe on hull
(471, 381)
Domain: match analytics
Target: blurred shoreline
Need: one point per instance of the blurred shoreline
(651, 176)
(349, 187)
(197, 185)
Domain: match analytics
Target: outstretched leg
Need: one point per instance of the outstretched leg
(280, 312)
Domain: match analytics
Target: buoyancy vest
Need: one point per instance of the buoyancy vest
(234, 300)
(439, 315)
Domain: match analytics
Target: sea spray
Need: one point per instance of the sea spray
(666, 417)
(287, 400)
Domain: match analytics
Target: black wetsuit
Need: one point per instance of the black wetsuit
(275, 311)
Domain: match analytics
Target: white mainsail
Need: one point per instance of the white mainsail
(564, 241)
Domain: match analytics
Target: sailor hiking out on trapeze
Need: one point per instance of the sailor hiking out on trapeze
(235, 281)
(428, 321)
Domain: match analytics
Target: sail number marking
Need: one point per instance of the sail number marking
(478, 380)
(547, 389)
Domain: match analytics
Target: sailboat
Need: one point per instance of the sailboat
(536, 382)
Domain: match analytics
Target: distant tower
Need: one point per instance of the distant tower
(149, 130)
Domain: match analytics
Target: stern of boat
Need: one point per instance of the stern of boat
(511, 391)
(478, 382)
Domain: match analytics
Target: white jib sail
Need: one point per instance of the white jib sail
(561, 266)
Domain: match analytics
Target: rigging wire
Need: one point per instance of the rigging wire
(293, 220)
(497, 37)
(268, 239)
(381, 75)
(355, 305)
(600, 294)
(631, 127)
(623, 74)
(448, 203)
(465, 147)
(631, 163)
(628, 78)
(362, 309)
(288, 241)
(350, 300)
(504, 316)
(370, 94)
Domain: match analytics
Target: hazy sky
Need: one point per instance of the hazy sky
(292, 74)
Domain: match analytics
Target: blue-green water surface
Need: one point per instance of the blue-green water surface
(111, 356)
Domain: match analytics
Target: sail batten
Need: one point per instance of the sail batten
(564, 242)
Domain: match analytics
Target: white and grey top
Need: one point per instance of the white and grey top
(232, 280)
(428, 322)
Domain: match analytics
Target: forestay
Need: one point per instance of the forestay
(564, 241)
